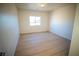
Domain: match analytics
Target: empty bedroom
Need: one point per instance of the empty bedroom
(38, 29)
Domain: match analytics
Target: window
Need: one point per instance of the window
(34, 20)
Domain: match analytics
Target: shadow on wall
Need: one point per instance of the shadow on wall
(62, 21)
(9, 26)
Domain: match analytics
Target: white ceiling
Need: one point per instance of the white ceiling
(37, 7)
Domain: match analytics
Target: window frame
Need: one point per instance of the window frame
(36, 22)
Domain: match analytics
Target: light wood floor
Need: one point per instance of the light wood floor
(42, 44)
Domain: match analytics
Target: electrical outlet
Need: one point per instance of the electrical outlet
(2, 53)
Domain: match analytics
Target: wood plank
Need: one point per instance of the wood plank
(42, 44)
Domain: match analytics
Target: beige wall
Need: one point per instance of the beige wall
(74, 48)
(62, 20)
(24, 21)
(9, 28)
